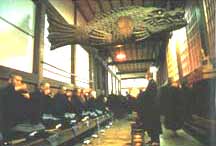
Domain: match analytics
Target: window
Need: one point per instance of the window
(114, 69)
(57, 63)
(172, 65)
(110, 82)
(81, 67)
(182, 44)
(17, 20)
(209, 12)
(194, 40)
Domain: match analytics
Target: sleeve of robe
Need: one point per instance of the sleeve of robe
(1, 111)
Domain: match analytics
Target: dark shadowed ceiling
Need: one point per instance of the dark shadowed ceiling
(139, 56)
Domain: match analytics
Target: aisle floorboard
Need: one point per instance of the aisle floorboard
(119, 135)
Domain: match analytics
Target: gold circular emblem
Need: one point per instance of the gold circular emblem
(125, 25)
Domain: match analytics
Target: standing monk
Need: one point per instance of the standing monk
(148, 111)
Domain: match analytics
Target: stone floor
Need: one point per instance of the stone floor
(119, 135)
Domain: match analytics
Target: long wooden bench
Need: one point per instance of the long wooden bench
(201, 128)
(59, 137)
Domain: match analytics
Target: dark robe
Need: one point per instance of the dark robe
(77, 105)
(16, 108)
(148, 109)
(61, 104)
(91, 104)
(131, 103)
(100, 103)
(41, 103)
(187, 103)
(1, 110)
(113, 103)
(173, 108)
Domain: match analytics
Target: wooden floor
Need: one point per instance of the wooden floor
(119, 135)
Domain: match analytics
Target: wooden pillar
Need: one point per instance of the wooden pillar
(114, 79)
(73, 64)
(100, 77)
(91, 70)
(112, 83)
(106, 82)
(180, 71)
(39, 40)
(73, 49)
(95, 74)
(119, 86)
(203, 27)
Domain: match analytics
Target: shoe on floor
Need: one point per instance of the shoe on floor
(155, 144)
(149, 142)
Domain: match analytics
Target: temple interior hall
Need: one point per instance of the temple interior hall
(107, 73)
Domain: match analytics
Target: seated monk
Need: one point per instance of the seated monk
(61, 103)
(41, 102)
(16, 102)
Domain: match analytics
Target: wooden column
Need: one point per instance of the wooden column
(73, 64)
(178, 55)
(95, 74)
(106, 82)
(203, 28)
(91, 70)
(112, 83)
(119, 86)
(39, 40)
(73, 49)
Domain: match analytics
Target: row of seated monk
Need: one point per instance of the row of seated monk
(19, 105)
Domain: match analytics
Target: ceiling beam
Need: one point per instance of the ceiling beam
(77, 7)
(100, 5)
(90, 7)
(135, 77)
(132, 72)
(111, 5)
(75, 12)
(132, 61)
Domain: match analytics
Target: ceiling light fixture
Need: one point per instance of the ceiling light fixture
(119, 46)
(120, 56)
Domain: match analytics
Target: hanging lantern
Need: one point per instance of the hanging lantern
(120, 56)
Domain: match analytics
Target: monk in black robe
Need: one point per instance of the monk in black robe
(61, 103)
(148, 112)
(91, 103)
(15, 103)
(173, 108)
(41, 102)
(101, 102)
(77, 105)
(1, 116)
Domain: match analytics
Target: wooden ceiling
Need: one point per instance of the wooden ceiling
(139, 56)
(88, 8)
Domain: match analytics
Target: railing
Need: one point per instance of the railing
(203, 129)
(68, 74)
